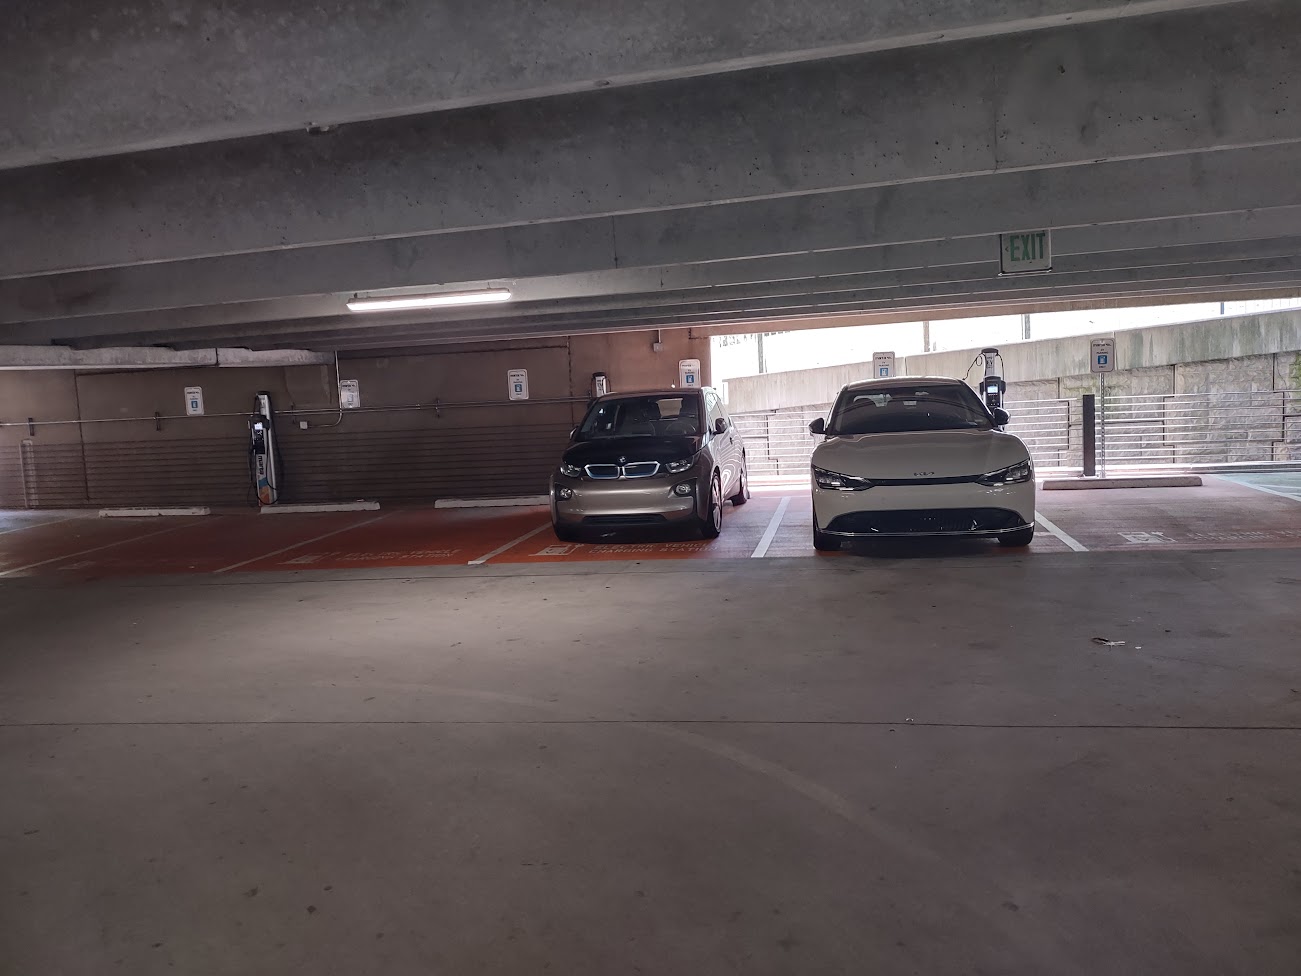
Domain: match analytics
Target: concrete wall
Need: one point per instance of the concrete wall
(431, 425)
(1163, 359)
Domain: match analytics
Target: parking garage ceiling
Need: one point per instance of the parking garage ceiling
(175, 175)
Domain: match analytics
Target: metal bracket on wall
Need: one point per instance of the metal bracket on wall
(31, 426)
(158, 421)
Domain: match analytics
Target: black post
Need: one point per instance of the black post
(1090, 436)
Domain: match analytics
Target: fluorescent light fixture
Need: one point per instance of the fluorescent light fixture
(396, 303)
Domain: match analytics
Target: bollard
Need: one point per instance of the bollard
(1090, 436)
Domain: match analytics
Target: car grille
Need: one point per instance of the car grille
(624, 520)
(609, 472)
(922, 522)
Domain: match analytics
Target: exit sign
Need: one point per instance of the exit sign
(1027, 252)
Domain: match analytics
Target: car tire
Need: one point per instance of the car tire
(565, 533)
(1018, 539)
(822, 541)
(742, 489)
(711, 523)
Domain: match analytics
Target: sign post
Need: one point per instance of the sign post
(883, 364)
(1102, 360)
(1026, 253)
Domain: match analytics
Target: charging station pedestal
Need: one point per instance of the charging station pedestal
(264, 465)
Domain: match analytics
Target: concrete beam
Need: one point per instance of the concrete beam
(1162, 85)
(742, 325)
(63, 357)
(106, 79)
(918, 304)
(1095, 208)
(315, 316)
(794, 320)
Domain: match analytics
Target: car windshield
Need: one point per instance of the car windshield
(643, 416)
(908, 407)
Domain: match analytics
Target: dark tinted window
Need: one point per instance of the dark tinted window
(908, 407)
(643, 416)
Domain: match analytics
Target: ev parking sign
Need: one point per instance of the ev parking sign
(882, 365)
(517, 384)
(1102, 355)
(194, 401)
(689, 373)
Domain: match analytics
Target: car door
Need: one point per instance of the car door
(724, 445)
(736, 443)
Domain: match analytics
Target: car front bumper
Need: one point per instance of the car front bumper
(924, 510)
(630, 502)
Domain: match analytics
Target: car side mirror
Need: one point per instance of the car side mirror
(818, 426)
(1001, 417)
(573, 433)
(720, 426)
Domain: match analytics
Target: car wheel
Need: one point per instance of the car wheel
(1018, 539)
(742, 489)
(711, 525)
(824, 542)
(565, 533)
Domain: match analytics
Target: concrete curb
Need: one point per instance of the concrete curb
(1154, 481)
(519, 501)
(357, 506)
(151, 512)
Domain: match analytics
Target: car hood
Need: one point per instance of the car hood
(915, 455)
(608, 450)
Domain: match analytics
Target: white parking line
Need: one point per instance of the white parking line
(510, 545)
(1059, 533)
(87, 552)
(1270, 491)
(32, 525)
(299, 545)
(770, 533)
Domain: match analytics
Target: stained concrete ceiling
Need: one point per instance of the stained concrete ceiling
(175, 175)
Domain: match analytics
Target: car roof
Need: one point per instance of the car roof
(896, 380)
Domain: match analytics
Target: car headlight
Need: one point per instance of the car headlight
(834, 481)
(570, 470)
(1013, 474)
(677, 467)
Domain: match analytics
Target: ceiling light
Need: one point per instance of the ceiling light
(397, 303)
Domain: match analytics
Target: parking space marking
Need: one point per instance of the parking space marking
(299, 545)
(770, 533)
(1291, 496)
(1059, 533)
(509, 545)
(32, 525)
(86, 552)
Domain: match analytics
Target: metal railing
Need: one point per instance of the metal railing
(1187, 430)
(1202, 430)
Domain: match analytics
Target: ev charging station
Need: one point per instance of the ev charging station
(264, 467)
(992, 386)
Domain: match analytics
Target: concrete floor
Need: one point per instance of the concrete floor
(854, 765)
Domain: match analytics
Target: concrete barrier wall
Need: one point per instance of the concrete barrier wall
(1242, 353)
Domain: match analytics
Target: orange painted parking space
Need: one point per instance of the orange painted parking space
(410, 537)
(775, 524)
(40, 546)
(203, 545)
(742, 529)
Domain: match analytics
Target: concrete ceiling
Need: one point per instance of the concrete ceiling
(624, 166)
